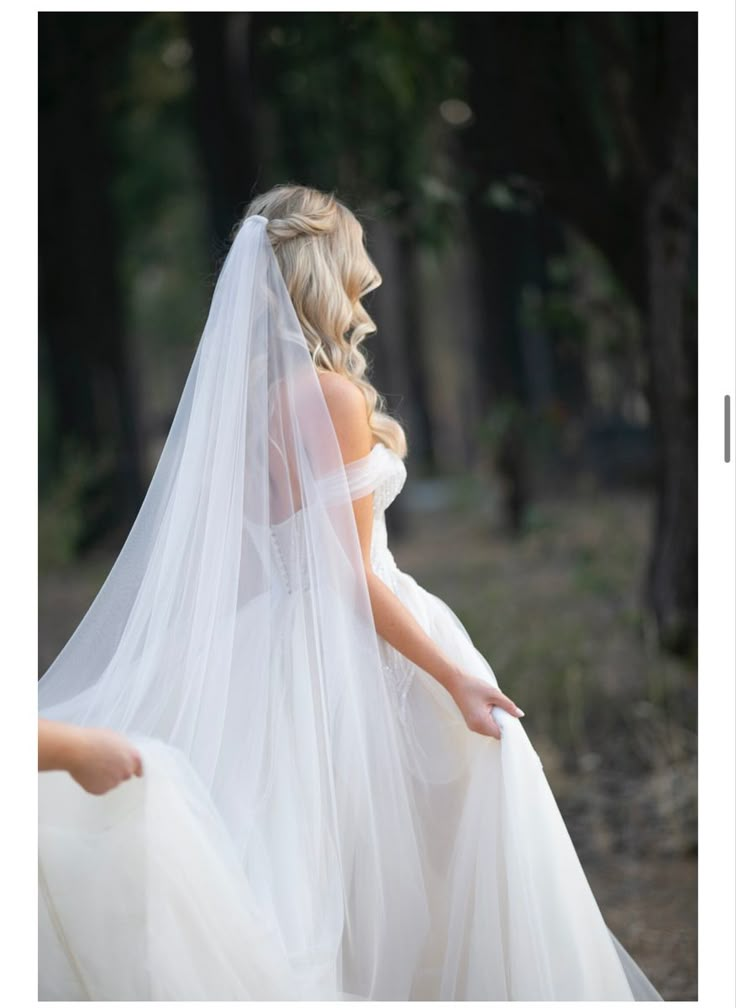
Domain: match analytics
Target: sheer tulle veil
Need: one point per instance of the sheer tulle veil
(292, 837)
(235, 626)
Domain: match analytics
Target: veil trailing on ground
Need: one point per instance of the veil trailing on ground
(235, 626)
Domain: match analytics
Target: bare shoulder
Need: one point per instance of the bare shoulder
(341, 394)
(349, 413)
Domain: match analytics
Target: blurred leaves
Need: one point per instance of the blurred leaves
(61, 514)
(356, 100)
(159, 189)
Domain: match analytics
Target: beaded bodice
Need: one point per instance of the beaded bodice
(382, 472)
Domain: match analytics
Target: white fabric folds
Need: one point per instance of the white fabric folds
(315, 821)
(235, 626)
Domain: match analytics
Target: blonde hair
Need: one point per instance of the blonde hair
(319, 246)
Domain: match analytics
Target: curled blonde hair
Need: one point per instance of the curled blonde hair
(320, 250)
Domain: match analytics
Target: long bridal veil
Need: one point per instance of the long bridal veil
(235, 626)
(290, 838)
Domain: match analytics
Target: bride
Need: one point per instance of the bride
(338, 802)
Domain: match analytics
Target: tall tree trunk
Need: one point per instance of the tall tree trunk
(672, 345)
(221, 47)
(499, 355)
(85, 349)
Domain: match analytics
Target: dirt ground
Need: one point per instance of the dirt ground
(651, 907)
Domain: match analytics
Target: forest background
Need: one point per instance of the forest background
(527, 183)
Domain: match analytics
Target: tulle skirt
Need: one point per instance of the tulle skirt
(512, 915)
(144, 896)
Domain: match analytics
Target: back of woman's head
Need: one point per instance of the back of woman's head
(320, 250)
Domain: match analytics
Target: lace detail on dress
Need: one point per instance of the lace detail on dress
(401, 674)
(380, 472)
(393, 477)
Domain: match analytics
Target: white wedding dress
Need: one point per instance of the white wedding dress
(315, 821)
(137, 903)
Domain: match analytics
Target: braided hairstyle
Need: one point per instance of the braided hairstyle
(320, 250)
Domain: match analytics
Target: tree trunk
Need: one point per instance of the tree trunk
(500, 360)
(672, 343)
(224, 114)
(85, 350)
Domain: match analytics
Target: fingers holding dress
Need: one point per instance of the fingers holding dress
(477, 700)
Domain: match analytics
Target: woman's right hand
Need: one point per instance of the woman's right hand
(476, 699)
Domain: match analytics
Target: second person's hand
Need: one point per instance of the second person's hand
(102, 759)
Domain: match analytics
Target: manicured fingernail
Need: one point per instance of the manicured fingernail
(520, 712)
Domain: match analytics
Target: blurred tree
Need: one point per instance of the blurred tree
(160, 203)
(222, 53)
(83, 344)
(599, 112)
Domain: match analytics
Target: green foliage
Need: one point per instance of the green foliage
(159, 189)
(60, 510)
(509, 421)
(591, 573)
(354, 99)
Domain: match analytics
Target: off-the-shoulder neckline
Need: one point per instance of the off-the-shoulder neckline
(376, 446)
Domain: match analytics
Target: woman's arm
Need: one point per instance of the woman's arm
(394, 622)
(97, 759)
